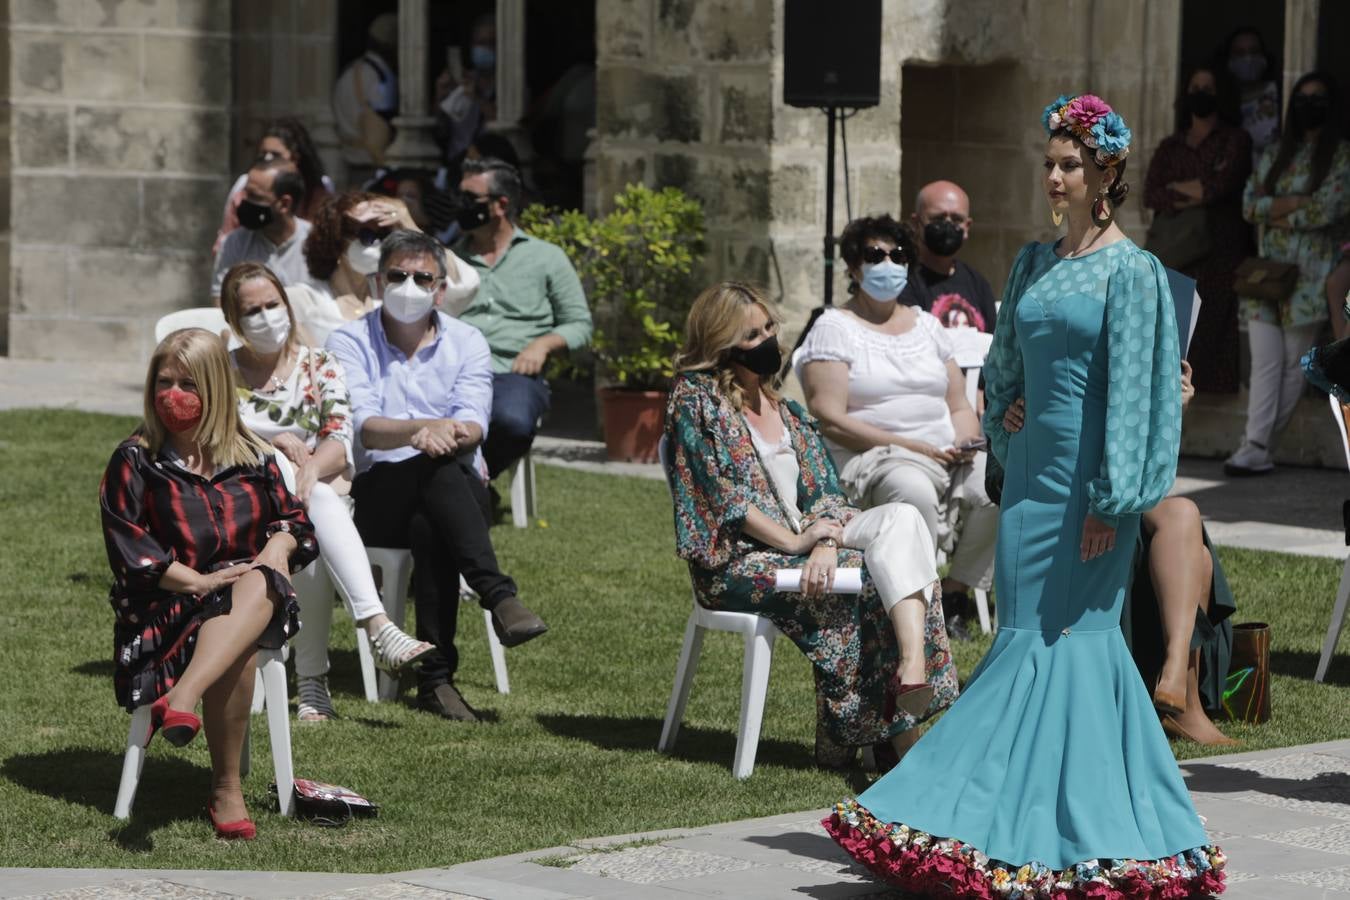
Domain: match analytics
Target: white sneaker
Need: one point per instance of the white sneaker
(1249, 460)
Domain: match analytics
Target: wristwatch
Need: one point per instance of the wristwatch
(828, 542)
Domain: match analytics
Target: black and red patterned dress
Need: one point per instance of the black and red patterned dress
(1222, 162)
(155, 512)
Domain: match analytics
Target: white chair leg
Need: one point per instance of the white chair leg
(982, 608)
(684, 679)
(279, 726)
(132, 762)
(396, 572)
(522, 492)
(1336, 624)
(369, 678)
(754, 688)
(498, 653)
(258, 693)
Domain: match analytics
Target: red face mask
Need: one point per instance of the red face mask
(179, 410)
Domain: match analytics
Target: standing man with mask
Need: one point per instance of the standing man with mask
(529, 305)
(270, 233)
(421, 390)
(941, 284)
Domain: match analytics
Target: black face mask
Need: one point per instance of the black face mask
(475, 216)
(1201, 104)
(943, 236)
(1310, 110)
(254, 215)
(763, 359)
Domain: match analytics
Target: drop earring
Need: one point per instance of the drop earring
(1056, 217)
(1101, 210)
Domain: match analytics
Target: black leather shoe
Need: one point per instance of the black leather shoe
(957, 630)
(447, 702)
(514, 623)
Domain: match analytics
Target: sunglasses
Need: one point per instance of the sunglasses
(421, 279)
(369, 236)
(874, 255)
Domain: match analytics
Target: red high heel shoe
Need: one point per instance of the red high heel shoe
(242, 830)
(913, 699)
(179, 727)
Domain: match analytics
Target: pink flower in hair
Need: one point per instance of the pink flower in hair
(1086, 110)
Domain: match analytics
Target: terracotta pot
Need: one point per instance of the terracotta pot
(633, 421)
(1246, 698)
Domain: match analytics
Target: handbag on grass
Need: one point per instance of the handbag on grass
(1180, 238)
(1265, 279)
(329, 804)
(1246, 696)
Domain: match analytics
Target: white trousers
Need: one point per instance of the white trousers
(345, 555)
(955, 508)
(1277, 379)
(897, 549)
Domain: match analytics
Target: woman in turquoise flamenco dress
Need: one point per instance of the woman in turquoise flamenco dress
(1050, 777)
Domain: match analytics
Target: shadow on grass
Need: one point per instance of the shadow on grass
(170, 790)
(693, 744)
(95, 668)
(1303, 664)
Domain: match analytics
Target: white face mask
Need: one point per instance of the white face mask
(266, 330)
(407, 302)
(363, 260)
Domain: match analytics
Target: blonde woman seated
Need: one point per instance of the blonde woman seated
(891, 400)
(201, 536)
(755, 492)
(295, 397)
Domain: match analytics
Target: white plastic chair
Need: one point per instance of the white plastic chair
(208, 317)
(1337, 623)
(395, 566)
(759, 634)
(272, 675)
(971, 347)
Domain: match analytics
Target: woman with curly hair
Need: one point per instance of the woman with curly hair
(1050, 775)
(343, 254)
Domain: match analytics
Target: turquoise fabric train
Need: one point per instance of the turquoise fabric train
(1052, 766)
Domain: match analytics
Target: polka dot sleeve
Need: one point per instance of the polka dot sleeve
(1143, 394)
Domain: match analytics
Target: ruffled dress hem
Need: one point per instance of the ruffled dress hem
(931, 866)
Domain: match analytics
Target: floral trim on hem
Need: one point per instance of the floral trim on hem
(930, 866)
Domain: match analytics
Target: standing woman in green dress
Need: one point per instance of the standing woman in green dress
(1051, 775)
(755, 491)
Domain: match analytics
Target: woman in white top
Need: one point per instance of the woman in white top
(892, 404)
(343, 254)
(294, 396)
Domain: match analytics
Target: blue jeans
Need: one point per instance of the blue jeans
(518, 402)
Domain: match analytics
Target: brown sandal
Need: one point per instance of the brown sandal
(1168, 703)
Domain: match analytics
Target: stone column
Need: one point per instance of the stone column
(1300, 42)
(413, 144)
(510, 78)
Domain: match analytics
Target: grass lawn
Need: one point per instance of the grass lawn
(569, 754)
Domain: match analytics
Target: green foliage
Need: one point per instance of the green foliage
(636, 264)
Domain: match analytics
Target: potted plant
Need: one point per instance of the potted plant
(636, 264)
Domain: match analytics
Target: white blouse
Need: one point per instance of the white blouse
(780, 464)
(896, 382)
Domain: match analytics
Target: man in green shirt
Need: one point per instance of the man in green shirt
(529, 304)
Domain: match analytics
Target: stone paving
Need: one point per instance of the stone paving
(1282, 816)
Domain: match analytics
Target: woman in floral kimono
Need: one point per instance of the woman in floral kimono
(295, 397)
(755, 491)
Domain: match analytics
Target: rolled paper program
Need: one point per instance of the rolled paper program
(846, 581)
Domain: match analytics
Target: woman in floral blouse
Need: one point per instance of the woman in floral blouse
(755, 492)
(295, 397)
(202, 536)
(1300, 196)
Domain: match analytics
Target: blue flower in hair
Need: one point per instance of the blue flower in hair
(1112, 135)
(1052, 110)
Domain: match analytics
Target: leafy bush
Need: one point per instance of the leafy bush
(636, 264)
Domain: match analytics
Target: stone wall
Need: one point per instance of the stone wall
(118, 150)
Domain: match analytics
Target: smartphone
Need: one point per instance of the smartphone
(977, 444)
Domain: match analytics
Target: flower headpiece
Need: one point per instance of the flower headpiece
(1088, 118)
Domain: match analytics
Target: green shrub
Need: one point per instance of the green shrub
(636, 264)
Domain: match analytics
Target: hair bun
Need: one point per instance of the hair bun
(1118, 192)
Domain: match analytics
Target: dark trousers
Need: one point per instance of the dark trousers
(438, 508)
(518, 402)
